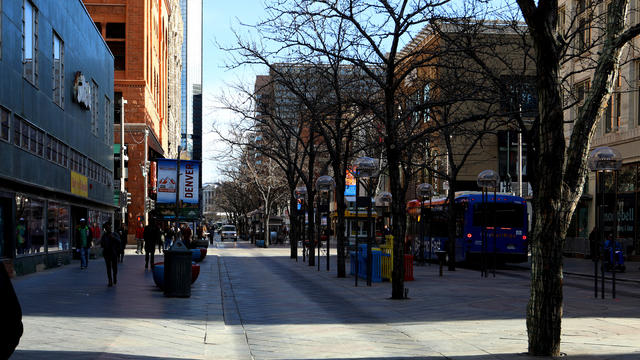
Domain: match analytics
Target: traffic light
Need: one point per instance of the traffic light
(139, 218)
(128, 198)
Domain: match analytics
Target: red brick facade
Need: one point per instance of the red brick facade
(136, 31)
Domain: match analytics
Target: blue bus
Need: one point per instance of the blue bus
(503, 219)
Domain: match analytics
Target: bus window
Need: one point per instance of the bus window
(504, 215)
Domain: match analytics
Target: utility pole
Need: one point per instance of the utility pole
(122, 189)
(178, 184)
(145, 175)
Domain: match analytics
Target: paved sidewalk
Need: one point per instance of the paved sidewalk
(251, 303)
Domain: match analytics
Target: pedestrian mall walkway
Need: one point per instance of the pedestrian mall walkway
(252, 303)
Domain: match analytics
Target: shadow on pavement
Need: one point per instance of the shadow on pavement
(78, 355)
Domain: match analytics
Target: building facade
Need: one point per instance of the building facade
(139, 34)
(56, 138)
(618, 127)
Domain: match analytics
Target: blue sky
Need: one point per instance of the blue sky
(219, 17)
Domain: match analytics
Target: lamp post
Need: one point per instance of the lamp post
(122, 189)
(365, 169)
(488, 179)
(325, 184)
(301, 193)
(178, 185)
(603, 159)
(424, 190)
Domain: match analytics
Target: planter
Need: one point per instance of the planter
(195, 272)
(158, 274)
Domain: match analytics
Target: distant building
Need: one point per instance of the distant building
(56, 130)
(191, 76)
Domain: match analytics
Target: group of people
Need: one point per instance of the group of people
(113, 243)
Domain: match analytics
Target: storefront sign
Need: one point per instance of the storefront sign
(79, 184)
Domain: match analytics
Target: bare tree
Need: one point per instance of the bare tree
(558, 164)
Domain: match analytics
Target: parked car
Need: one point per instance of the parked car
(228, 232)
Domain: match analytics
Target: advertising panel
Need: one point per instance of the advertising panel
(189, 207)
(167, 182)
(189, 182)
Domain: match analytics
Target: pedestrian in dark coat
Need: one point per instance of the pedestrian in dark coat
(151, 239)
(10, 316)
(123, 233)
(110, 243)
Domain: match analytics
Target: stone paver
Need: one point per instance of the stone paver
(251, 303)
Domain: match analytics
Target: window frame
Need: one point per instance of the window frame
(59, 99)
(5, 123)
(33, 77)
(95, 103)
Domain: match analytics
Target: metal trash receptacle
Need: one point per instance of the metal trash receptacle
(177, 271)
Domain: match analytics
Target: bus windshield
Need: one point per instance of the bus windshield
(502, 215)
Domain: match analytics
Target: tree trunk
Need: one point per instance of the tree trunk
(399, 222)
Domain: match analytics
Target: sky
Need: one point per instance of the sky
(219, 20)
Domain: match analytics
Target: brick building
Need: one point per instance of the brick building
(139, 34)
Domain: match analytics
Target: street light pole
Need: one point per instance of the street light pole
(178, 184)
(487, 179)
(602, 159)
(365, 168)
(122, 189)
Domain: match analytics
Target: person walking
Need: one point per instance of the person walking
(122, 233)
(83, 239)
(186, 236)
(169, 235)
(151, 238)
(110, 243)
(139, 238)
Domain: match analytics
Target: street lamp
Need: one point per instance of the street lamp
(603, 159)
(365, 168)
(423, 191)
(301, 193)
(488, 179)
(324, 185)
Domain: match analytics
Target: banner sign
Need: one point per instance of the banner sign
(350, 183)
(189, 207)
(167, 182)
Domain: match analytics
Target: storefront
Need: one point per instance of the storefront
(36, 232)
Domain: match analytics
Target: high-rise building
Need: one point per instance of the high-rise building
(140, 34)
(191, 75)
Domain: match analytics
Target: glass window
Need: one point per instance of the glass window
(99, 26)
(58, 232)
(58, 70)
(4, 124)
(94, 108)
(29, 41)
(118, 49)
(505, 215)
(17, 134)
(30, 225)
(108, 125)
(116, 30)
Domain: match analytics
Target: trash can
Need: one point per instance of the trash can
(177, 271)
